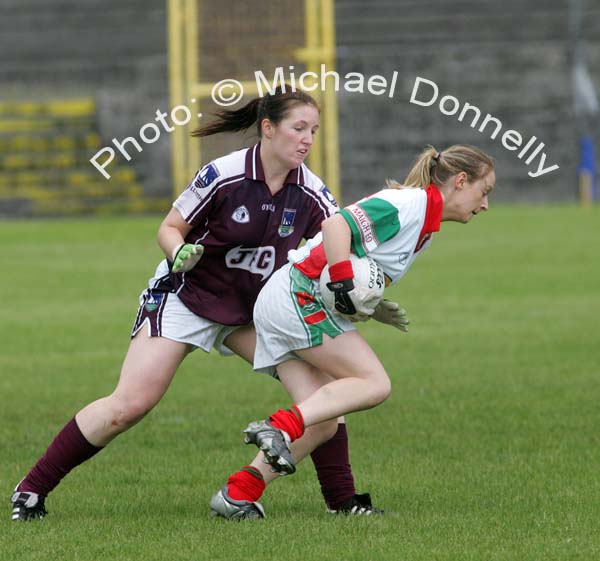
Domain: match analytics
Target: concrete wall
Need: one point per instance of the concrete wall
(112, 50)
(510, 59)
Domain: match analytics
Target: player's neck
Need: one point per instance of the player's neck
(275, 171)
(275, 181)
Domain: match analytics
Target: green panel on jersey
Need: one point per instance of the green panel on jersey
(300, 283)
(355, 241)
(383, 223)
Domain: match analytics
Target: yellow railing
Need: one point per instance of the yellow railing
(185, 85)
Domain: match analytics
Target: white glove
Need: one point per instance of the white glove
(358, 316)
(186, 256)
(391, 313)
(353, 302)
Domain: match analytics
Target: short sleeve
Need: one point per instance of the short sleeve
(372, 221)
(195, 203)
(331, 205)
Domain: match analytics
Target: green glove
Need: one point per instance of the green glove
(391, 313)
(185, 257)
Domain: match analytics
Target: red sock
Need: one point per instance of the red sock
(246, 485)
(289, 420)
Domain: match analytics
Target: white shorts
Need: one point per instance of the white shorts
(165, 315)
(289, 314)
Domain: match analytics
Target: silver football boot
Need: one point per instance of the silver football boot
(275, 443)
(223, 505)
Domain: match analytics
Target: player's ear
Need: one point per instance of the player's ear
(267, 128)
(460, 179)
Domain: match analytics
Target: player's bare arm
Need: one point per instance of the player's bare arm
(336, 239)
(172, 232)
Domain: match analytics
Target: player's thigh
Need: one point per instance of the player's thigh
(148, 369)
(347, 355)
(300, 379)
(242, 342)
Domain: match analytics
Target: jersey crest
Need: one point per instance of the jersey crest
(286, 228)
(241, 215)
(153, 300)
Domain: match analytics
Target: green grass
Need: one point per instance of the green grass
(488, 448)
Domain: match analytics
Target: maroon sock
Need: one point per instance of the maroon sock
(332, 462)
(68, 450)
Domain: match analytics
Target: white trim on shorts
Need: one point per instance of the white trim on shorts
(176, 322)
(171, 318)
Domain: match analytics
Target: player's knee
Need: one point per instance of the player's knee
(386, 389)
(380, 390)
(126, 413)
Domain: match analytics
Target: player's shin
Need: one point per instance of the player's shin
(69, 449)
(344, 396)
(332, 464)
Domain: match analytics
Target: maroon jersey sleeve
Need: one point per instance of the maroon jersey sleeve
(198, 199)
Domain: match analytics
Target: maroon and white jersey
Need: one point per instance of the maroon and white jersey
(246, 232)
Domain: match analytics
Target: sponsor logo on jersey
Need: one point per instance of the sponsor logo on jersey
(194, 190)
(241, 215)
(287, 222)
(327, 194)
(268, 206)
(257, 260)
(365, 226)
(206, 176)
(403, 257)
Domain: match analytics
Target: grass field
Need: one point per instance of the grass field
(487, 450)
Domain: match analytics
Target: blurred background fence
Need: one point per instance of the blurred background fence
(75, 74)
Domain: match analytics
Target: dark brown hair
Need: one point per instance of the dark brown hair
(274, 107)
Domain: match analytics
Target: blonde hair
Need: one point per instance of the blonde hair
(436, 167)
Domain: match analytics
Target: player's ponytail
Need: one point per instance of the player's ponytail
(436, 167)
(231, 120)
(272, 106)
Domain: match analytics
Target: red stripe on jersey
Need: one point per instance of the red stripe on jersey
(433, 215)
(315, 318)
(314, 263)
(304, 298)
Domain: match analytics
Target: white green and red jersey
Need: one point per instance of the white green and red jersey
(392, 226)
